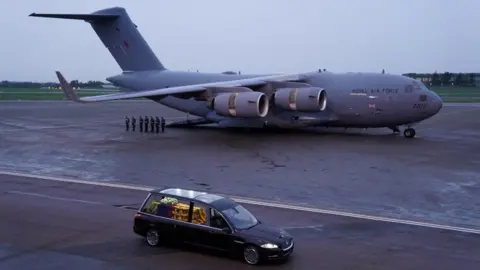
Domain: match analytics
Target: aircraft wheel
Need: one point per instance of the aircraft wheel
(409, 133)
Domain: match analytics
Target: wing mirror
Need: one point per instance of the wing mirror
(226, 230)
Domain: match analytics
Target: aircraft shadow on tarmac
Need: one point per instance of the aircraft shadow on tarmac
(268, 132)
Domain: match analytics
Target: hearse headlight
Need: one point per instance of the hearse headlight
(269, 246)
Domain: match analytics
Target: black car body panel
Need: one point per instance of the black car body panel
(267, 233)
(209, 221)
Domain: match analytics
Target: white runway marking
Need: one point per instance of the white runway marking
(51, 197)
(259, 202)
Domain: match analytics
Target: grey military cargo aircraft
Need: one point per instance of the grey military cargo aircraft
(355, 100)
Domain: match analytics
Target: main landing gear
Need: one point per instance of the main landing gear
(409, 132)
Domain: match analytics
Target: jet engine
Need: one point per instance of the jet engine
(243, 104)
(305, 99)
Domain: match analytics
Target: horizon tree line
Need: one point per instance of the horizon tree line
(432, 79)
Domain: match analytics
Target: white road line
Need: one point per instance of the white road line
(260, 203)
(76, 181)
(51, 197)
(314, 227)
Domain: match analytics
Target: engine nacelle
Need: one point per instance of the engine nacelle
(243, 104)
(304, 99)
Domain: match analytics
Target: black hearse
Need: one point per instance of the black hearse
(210, 221)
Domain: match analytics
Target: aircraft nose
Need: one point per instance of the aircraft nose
(437, 102)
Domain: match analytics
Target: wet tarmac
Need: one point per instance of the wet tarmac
(434, 177)
(55, 225)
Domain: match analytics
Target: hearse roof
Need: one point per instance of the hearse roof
(190, 194)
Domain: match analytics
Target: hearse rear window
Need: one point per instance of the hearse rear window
(170, 207)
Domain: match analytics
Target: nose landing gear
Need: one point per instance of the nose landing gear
(409, 132)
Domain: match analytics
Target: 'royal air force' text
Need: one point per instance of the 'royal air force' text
(375, 90)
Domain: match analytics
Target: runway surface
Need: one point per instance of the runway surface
(58, 225)
(433, 178)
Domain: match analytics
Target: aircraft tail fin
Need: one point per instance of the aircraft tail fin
(120, 35)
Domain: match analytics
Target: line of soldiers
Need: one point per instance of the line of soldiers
(155, 124)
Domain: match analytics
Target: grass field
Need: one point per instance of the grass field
(45, 94)
(448, 93)
(458, 94)
(39, 90)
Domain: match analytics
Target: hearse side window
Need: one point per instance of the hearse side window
(167, 207)
(150, 205)
(216, 220)
(199, 214)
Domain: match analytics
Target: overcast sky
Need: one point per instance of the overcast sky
(254, 36)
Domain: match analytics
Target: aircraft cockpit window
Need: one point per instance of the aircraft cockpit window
(416, 85)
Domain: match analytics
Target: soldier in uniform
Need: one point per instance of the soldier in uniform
(152, 124)
(133, 123)
(163, 124)
(141, 124)
(146, 123)
(157, 124)
(127, 123)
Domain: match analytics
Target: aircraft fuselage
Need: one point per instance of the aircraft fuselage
(363, 100)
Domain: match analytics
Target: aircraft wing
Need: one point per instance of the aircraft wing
(70, 93)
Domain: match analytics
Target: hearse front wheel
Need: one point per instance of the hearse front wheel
(251, 255)
(153, 238)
